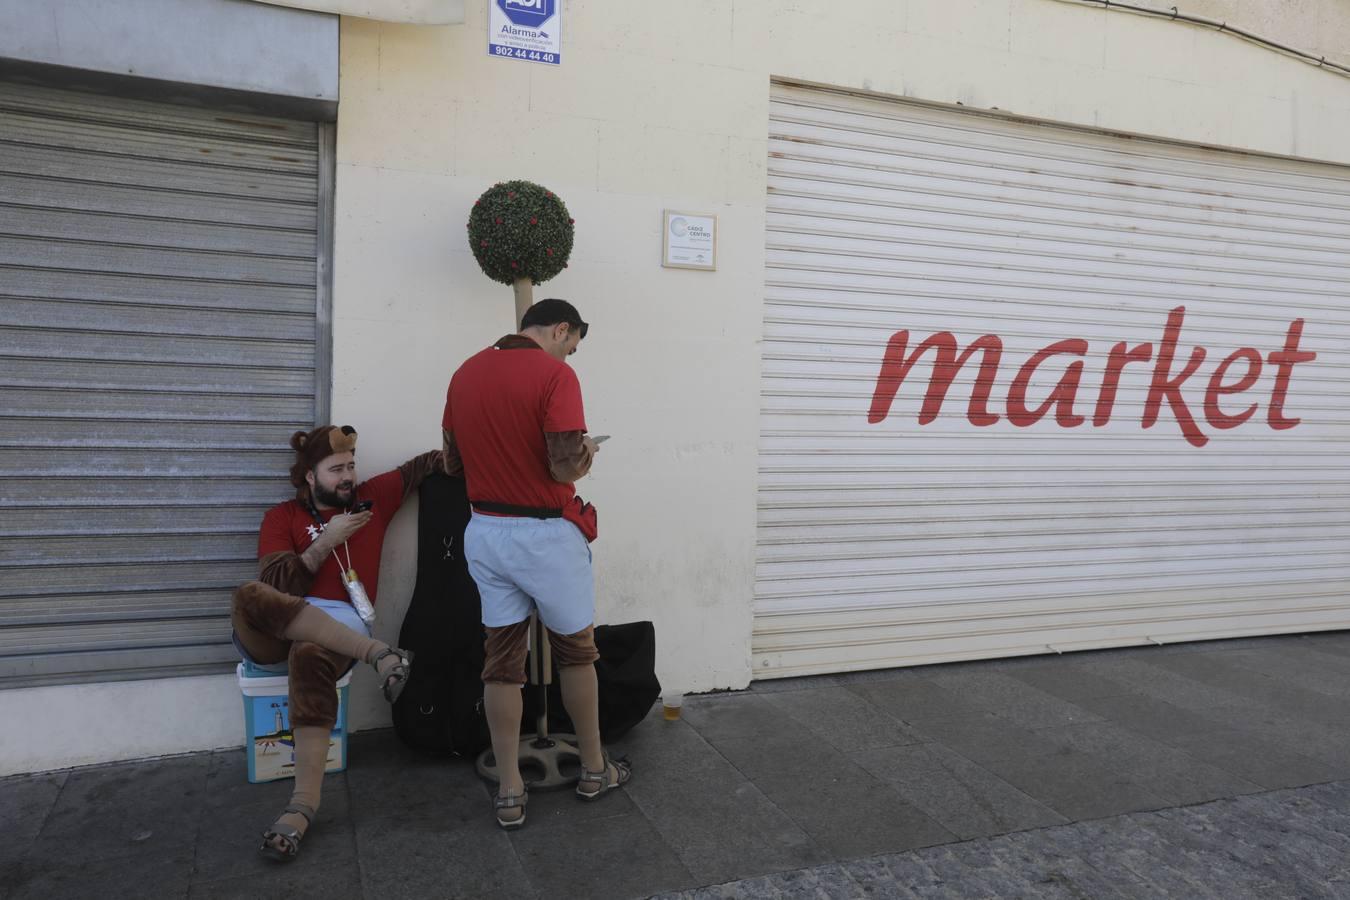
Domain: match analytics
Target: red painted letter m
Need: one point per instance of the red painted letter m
(895, 366)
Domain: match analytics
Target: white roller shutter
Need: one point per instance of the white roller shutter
(896, 541)
(158, 296)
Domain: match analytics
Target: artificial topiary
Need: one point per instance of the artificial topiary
(520, 230)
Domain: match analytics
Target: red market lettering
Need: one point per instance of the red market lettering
(1061, 397)
(1234, 375)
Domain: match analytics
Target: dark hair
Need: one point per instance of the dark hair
(553, 312)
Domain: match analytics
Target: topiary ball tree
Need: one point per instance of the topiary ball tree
(521, 235)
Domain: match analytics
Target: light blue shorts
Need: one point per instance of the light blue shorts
(338, 609)
(343, 611)
(520, 564)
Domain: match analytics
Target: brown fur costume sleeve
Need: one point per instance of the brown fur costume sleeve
(418, 468)
(286, 572)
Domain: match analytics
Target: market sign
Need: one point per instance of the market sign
(526, 29)
(1171, 361)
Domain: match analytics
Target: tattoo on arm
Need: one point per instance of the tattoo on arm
(452, 463)
(316, 553)
(569, 459)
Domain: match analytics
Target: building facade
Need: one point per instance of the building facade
(1026, 334)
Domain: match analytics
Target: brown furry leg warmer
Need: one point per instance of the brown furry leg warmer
(574, 649)
(505, 649)
(314, 672)
(260, 615)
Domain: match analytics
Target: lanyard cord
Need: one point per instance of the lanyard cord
(348, 567)
(314, 511)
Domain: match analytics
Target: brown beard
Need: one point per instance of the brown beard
(332, 498)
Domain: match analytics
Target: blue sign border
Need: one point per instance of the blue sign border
(551, 12)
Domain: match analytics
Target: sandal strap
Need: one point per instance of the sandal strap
(510, 801)
(404, 657)
(397, 675)
(621, 767)
(301, 809)
(289, 832)
(600, 778)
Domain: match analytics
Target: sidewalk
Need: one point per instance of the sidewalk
(1178, 771)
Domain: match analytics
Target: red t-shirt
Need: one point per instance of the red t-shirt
(289, 527)
(498, 406)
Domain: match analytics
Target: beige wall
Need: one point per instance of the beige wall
(666, 105)
(1320, 27)
(663, 105)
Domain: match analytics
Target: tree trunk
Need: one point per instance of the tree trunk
(524, 290)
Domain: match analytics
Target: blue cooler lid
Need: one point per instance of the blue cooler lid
(250, 669)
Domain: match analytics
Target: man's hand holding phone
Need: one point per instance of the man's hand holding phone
(341, 527)
(592, 442)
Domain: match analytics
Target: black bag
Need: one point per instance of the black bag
(441, 707)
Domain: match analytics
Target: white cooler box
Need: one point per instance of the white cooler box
(268, 739)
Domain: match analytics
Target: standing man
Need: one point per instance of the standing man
(319, 564)
(514, 428)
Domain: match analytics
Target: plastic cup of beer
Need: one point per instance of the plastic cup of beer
(671, 704)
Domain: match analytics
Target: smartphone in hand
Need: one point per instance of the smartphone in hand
(599, 438)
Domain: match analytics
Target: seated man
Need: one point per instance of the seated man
(319, 561)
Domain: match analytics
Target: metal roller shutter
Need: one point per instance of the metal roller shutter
(885, 540)
(158, 302)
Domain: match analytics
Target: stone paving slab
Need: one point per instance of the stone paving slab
(1219, 769)
(843, 719)
(964, 798)
(1226, 850)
